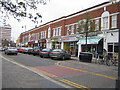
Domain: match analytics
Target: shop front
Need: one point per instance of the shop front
(56, 43)
(33, 43)
(42, 43)
(93, 45)
(70, 44)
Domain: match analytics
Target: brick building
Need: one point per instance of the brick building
(69, 32)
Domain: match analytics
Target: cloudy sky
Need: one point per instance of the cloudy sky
(53, 10)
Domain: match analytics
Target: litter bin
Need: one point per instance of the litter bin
(85, 57)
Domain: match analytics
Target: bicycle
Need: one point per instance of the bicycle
(104, 60)
(113, 61)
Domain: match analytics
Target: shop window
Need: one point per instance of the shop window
(110, 47)
(116, 49)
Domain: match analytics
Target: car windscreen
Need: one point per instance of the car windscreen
(45, 50)
(57, 50)
(11, 48)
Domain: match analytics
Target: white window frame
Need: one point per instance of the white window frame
(49, 32)
(72, 29)
(97, 24)
(77, 27)
(60, 29)
(114, 21)
(54, 32)
(105, 20)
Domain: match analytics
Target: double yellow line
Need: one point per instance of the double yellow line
(74, 84)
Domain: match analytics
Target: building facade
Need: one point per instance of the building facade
(5, 33)
(92, 29)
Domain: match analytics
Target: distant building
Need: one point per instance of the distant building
(5, 33)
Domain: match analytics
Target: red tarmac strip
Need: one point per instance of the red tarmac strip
(59, 71)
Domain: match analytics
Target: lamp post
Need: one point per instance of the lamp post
(118, 79)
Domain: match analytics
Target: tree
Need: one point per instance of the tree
(86, 26)
(21, 9)
(5, 43)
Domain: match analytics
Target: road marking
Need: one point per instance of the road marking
(38, 73)
(110, 77)
(104, 76)
(73, 68)
(74, 84)
(46, 73)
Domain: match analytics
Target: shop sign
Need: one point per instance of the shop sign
(56, 39)
(69, 38)
(39, 41)
(31, 42)
(36, 41)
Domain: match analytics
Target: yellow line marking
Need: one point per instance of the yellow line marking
(73, 68)
(46, 73)
(74, 84)
(104, 76)
(110, 77)
(15, 61)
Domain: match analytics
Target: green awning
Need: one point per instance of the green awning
(89, 41)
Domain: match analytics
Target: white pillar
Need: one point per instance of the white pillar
(62, 45)
(105, 44)
(79, 49)
(49, 44)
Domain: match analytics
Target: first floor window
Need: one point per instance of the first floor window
(114, 21)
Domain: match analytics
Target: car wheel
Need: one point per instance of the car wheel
(52, 58)
(41, 56)
(63, 58)
(16, 54)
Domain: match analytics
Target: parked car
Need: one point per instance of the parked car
(36, 50)
(45, 52)
(30, 51)
(60, 54)
(11, 50)
(20, 49)
(25, 50)
(0, 48)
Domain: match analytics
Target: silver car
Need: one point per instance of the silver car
(11, 50)
(60, 54)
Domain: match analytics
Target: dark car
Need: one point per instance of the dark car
(60, 54)
(45, 52)
(36, 50)
(26, 50)
(30, 51)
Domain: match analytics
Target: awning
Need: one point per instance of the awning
(90, 40)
